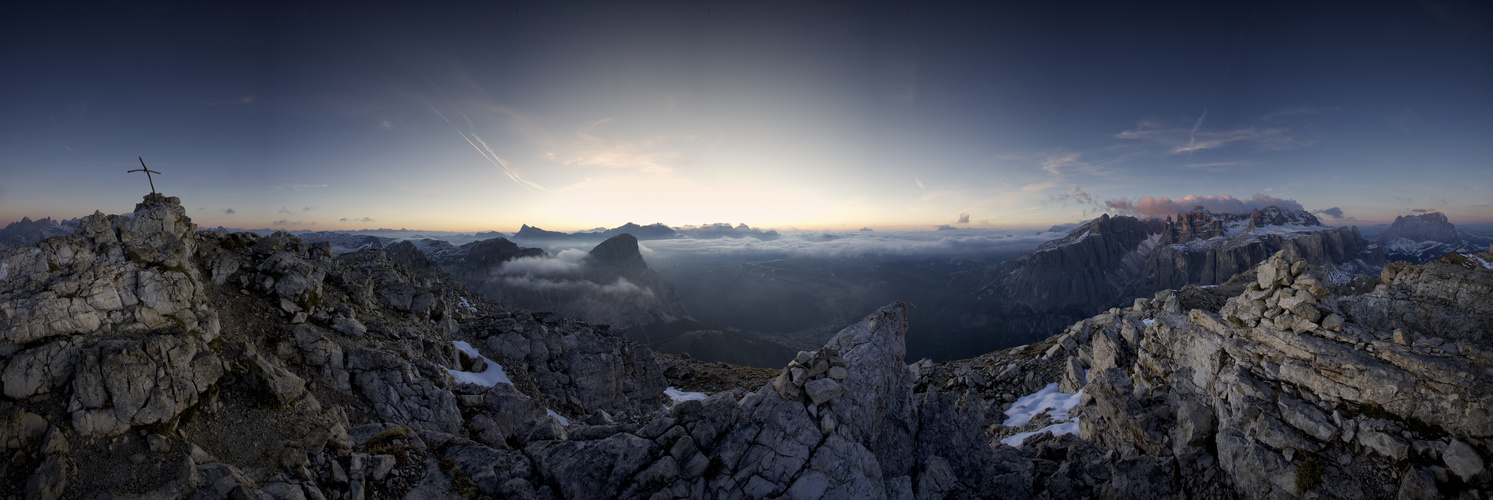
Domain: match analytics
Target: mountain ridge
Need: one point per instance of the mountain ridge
(250, 366)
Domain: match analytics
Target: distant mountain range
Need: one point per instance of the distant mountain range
(655, 231)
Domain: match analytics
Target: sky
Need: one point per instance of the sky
(811, 115)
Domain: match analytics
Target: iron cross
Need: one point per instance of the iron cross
(147, 171)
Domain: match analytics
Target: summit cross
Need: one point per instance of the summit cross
(147, 171)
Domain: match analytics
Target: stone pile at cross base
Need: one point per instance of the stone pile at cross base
(145, 359)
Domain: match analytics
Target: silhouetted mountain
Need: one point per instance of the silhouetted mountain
(610, 285)
(655, 231)
(1422, 238)
(27, 232)
(528, 232)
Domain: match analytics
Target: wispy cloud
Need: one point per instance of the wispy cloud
(364, 219)
(963, 218)
(1061, 162)
(229, 211)
(1076, 197)
(661, 154)
(919, 182)
(285, 222)
(1196, 138)
(1038, 186)
(1192, 137)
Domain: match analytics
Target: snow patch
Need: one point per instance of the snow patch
(1056, 429)
(1047, 400)
(681, 396)
(1148, 321)
(468, 305)
(563, 421)
(488, 378)
(1480, 260)
(4, 270)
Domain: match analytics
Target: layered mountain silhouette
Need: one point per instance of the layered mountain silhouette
(655, 231)
(611, 284)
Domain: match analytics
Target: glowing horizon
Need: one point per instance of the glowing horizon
(824, 116)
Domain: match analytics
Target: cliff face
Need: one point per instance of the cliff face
(1426, 227)
(1341, 249)
(1091, 267)
(1110, 260)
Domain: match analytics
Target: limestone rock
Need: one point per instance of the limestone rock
(1463, 461)
(148, 381)
(284, 386)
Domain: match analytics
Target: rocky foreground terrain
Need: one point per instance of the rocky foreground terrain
(145, 359)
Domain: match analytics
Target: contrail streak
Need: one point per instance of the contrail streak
(486, 152)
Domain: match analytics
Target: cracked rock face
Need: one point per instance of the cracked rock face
(1301, 390)
(141, 357)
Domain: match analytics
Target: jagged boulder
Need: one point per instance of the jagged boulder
(1291, 405)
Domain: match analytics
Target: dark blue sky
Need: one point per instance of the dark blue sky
(824, 114)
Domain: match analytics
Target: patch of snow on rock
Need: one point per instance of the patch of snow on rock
(491, 377)
(1017, 439)
(681, 396)
(563, 421)
(1047, 400)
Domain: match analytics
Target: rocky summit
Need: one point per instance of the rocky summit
(143, 358)
(1419, 238)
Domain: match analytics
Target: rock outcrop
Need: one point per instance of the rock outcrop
(1290, 390)
(284, 371)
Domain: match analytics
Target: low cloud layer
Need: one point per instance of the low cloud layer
(1157, 206)
(567, 262)
(851, 244)
(620, 288)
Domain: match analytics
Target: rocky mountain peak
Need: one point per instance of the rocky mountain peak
(1276, 216)
(1425, 227)
(620, 251)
